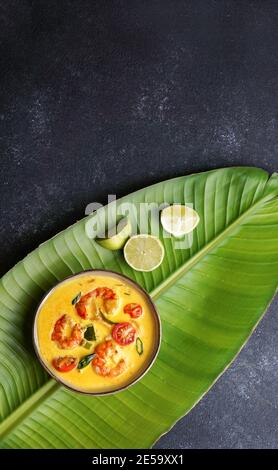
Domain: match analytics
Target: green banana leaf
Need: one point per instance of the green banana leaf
(210, 298)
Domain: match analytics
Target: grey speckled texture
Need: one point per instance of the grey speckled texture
(107, 97)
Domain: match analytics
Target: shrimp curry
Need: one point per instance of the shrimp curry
(96, 332)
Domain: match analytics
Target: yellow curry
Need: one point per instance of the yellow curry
(97, 332)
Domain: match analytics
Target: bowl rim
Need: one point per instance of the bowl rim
(154, 312)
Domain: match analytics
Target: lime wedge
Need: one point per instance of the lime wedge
(117, 241)
(144, 252)
(179, 220)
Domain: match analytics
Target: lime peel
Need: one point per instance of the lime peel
(117, 241)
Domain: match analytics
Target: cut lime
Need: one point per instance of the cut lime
(117, 241)
(179, 220)
(144, 252)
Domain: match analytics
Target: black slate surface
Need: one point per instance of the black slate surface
(101, 97)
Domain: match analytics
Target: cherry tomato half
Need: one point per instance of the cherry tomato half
(124, 333)
(134, 310)
(65, 363)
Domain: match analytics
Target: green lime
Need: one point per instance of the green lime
(117, 241)
(144, 252)
(179, 220)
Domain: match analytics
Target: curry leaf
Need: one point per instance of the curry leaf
(90, 333)
(85, 361)
(76, 299)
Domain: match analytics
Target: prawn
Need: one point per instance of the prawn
(101, 297)
(104, 361)
(63, 341)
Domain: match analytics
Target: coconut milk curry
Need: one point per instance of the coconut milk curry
(96, 333)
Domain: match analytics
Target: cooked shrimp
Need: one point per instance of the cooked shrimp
(102, 298)
(59, 335)
(81, 306)
(104, 362)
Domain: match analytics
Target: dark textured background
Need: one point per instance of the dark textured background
(101, 97)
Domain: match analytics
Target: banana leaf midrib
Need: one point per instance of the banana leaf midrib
(223, 371)
(206, 249)
(28, 406)
(51, 386)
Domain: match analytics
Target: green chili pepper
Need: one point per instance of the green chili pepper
(105, 319)
(139, 346)
(86, 344)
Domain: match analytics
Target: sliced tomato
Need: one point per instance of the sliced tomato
(134, 310)
(64, 363)
(124, 333)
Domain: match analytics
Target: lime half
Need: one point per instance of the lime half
(179, 220)
(144, 252)
(117, 241)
